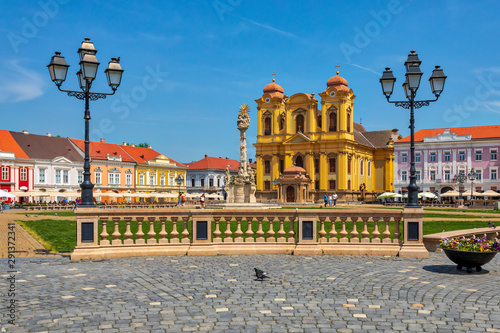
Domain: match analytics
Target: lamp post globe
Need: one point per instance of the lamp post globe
(58, 69)
(410, 87)
(179, 180)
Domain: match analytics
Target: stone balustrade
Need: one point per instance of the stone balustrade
(105, 233)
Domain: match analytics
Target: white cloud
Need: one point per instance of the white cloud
(18, 83)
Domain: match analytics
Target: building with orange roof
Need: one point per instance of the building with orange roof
(321, 137)
(443, 153)
(58, 170)
(16, 168)
(156, 173)
(207, 175)
(112, 170)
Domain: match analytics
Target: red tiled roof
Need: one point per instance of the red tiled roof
(8, 144)
(477, 132)
(214, 163)
(101, 150)
(143, 155)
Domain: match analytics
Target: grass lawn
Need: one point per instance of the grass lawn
(456, 210)
(55, 235)
(454, 216)
(434, 227)
(50, 213)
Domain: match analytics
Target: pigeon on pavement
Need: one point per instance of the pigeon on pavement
(261, 275)
(27, 215)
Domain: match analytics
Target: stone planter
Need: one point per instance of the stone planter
(469, 259)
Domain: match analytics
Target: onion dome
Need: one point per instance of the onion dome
(338, 82)
(274, 89)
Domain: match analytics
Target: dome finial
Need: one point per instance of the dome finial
(337, 68)
(273, 76)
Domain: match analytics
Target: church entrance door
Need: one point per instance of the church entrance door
(290, 194)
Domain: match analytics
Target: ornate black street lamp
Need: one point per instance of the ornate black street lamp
(472, 177)
(58, 68)
(460, 178)
(413, 76)
(179, 180)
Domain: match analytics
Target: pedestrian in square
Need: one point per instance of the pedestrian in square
(330, 200)
(202, 201)
(326, 199)
(335, 197)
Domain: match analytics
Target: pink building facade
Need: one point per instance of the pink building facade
(441, 154)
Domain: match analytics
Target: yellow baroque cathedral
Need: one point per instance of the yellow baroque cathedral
(308, 148)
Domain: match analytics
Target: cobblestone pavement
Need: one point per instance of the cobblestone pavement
(219, 293)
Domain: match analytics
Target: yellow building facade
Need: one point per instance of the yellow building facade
(338, 154)
(159, 176)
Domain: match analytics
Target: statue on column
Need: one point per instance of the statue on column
(243, 188)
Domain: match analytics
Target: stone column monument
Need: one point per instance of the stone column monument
(242, 190)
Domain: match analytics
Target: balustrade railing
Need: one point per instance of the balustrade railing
(228, 231)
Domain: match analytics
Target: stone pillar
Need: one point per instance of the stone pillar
(323, 172)
(413, 238)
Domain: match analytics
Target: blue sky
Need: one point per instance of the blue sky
(189, 65)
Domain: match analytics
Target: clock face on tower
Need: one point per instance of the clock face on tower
(268, 100)
(332, 93)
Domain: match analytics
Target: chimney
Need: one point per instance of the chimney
(48, 134)
(26, 132)
(102, 140)
(206, 155)
(249, 160)
(124, 143)
(150, 147)
(227, 158)
(133, 145)
(220, 156)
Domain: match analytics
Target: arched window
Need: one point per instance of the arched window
(299, 123)
(267, 126)
(348, 122)
(299, 161)
(332, 120)
(319, 120)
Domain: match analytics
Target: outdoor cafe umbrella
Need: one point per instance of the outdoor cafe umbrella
(467, 194)
(428, 195)
(5, 194)
(386, 195)
(489, 193)
(450, 194)
(214, 195)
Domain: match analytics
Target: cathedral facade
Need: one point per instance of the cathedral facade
(336, 154)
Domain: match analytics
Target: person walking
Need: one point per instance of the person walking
(179, 200)
(330, 200)
(326, 199)
(335, 197)
(202, 201)
(1, 206)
